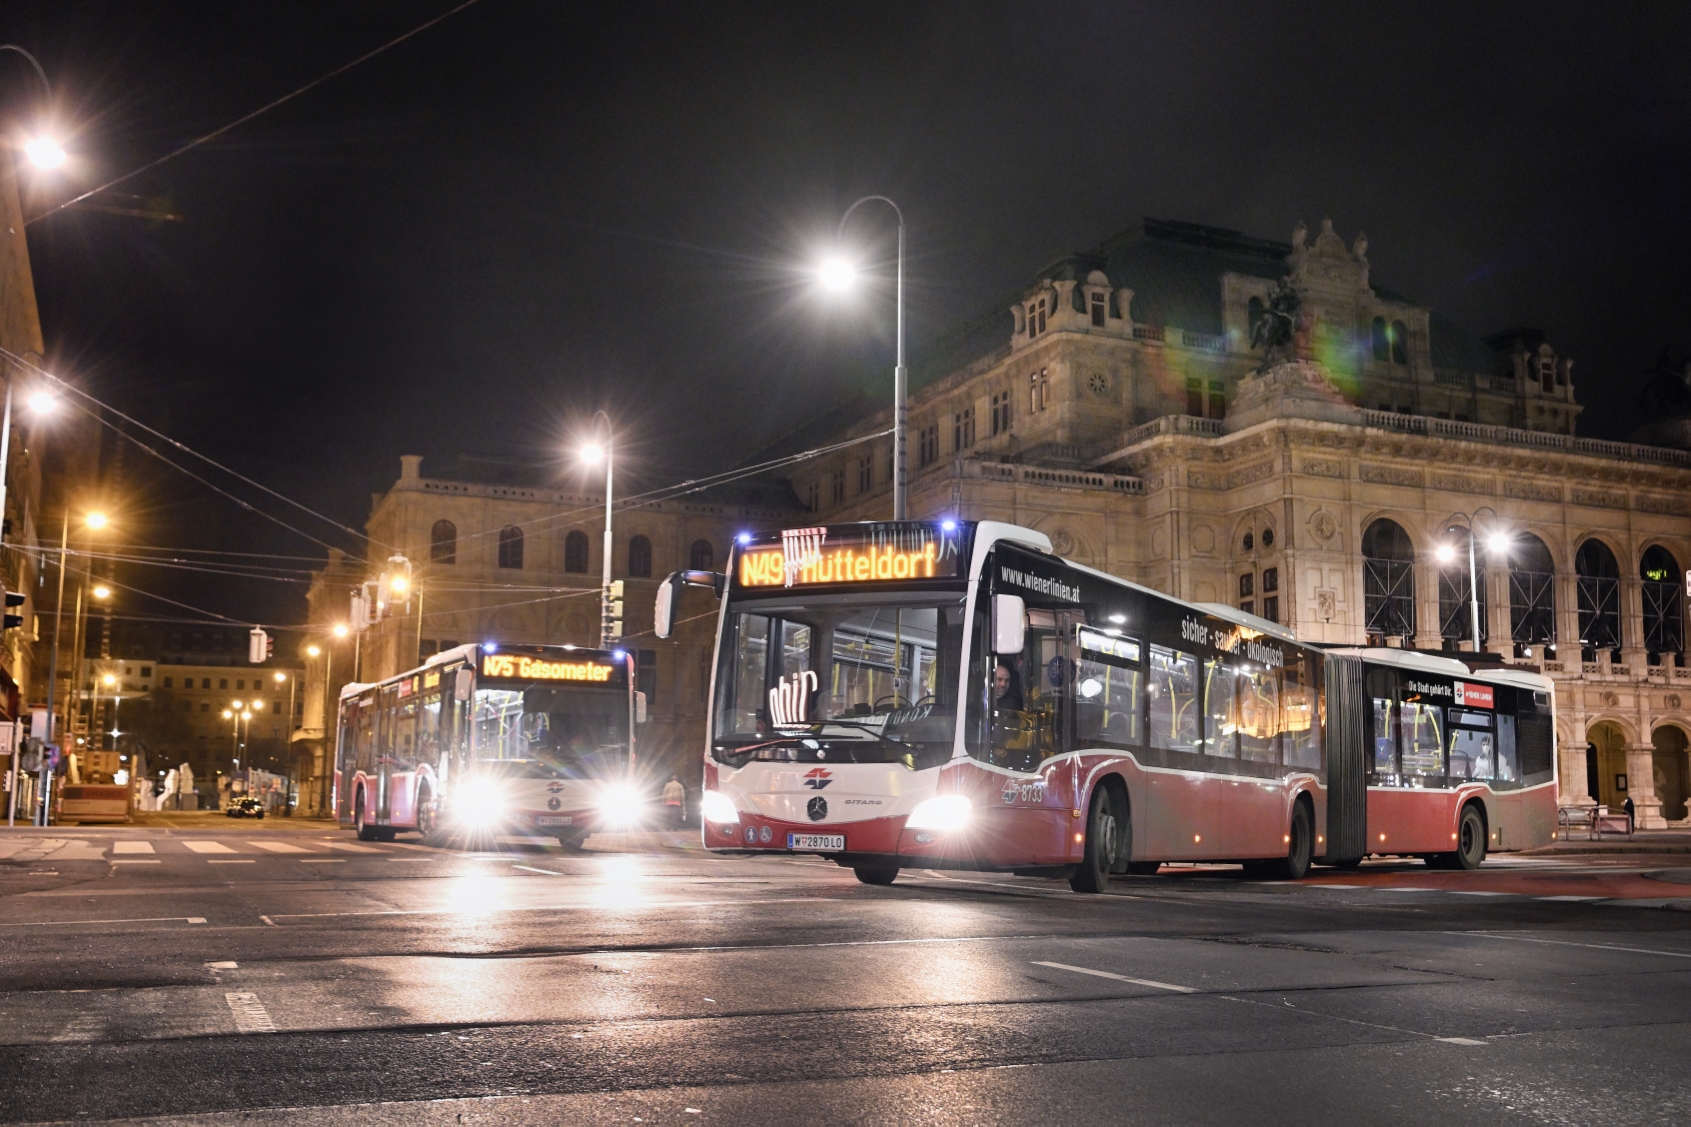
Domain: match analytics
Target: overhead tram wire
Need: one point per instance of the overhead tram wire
(242, 120)
(74, 390)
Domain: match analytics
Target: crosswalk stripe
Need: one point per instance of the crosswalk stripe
(132, 847)
(349, 847)
(278, 847)
(208, 847)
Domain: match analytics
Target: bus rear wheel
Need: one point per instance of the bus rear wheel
(1300, 846)
(876, 874)
(1470, 850)
(1104, 841)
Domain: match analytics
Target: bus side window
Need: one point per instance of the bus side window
(1471, 744)
(1423, 739)
(1221, 709)
(1508, 765)
(1385, 736)
(1173, 693)
(1259, 715)
(1107, 694)
(1301, 726)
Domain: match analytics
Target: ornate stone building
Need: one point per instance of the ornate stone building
(1122, 408)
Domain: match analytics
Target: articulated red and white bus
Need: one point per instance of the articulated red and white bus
(950, 694)
(492, 739)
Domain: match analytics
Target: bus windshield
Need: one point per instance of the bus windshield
(577, 732)
(857, 678)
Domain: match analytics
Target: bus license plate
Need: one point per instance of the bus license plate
(834, 842)
(551, 820)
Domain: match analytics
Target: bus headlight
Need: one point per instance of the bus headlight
(620, 805)
(481, 803)
(945, 812)
(717, 807)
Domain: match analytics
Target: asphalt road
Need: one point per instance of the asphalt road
(218, 970)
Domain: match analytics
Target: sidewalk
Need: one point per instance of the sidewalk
(1643, 841)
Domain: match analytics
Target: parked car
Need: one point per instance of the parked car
(245, 808)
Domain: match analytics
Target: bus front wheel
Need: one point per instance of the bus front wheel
(876, 875)
(1470, 850)
(1104, 840)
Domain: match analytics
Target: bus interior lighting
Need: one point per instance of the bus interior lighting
(943, 812)
(714, 806)
(1118, 619)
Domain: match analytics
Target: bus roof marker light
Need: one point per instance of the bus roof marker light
(490, 647)
(1118, 619)
(744, 538)
(948, 525)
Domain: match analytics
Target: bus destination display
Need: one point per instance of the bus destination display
(524, 668)
(871, 553)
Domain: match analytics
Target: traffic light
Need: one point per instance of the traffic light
(13, 599)
(613, 609)
(259, 646)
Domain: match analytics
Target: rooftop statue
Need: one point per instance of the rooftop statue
(1275, 331)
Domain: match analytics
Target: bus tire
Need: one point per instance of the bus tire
(1103, 844)
(1470, 840)
(1143, 868)
(876, 874)
(366, 832)
(572, 842)
(1300, 849)
(426, 819)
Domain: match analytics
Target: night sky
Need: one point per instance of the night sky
(535, 210)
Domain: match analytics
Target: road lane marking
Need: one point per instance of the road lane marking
(132, 847)
(217, 861)
(134, 861)
(80, 923)
(322, 860)
(1119, 977)
(208, 847)
(1571, 899)
(349, 847)
(1461, 1041)
(532, 869)
(224, 966)
(268, 921)
(1571, 943)
(278, 847)
(250, 1015)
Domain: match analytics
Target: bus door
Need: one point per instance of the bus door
(384, 753)
(1348, 747)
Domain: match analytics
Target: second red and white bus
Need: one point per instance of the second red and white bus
(492, 739)
(953, 695)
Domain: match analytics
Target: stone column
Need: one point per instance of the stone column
(1427, 635)
(1641, 786)
(1632, 624)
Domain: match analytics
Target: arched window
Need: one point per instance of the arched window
(1400, 343)
(702, 556)
(575, 551)
(1456, 616)
(1532, 591)
(1599, 597)
(640, 557)
(443, 542)
(511, 547)
(1382, 340)
(1664, 617)
(1388, 581)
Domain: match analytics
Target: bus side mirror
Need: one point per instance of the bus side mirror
(639, 708)
(1009, 624)
(663, 614)
(461, 684)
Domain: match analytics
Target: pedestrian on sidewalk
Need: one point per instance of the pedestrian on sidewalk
(675, 801)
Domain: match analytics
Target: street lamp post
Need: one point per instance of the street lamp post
(838, 275)
(592, 454)
(1498, 542)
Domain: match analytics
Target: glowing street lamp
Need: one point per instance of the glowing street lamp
(837, 274)
(1498, 543)
(102, 592)
(44, 152)
(592, 454)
